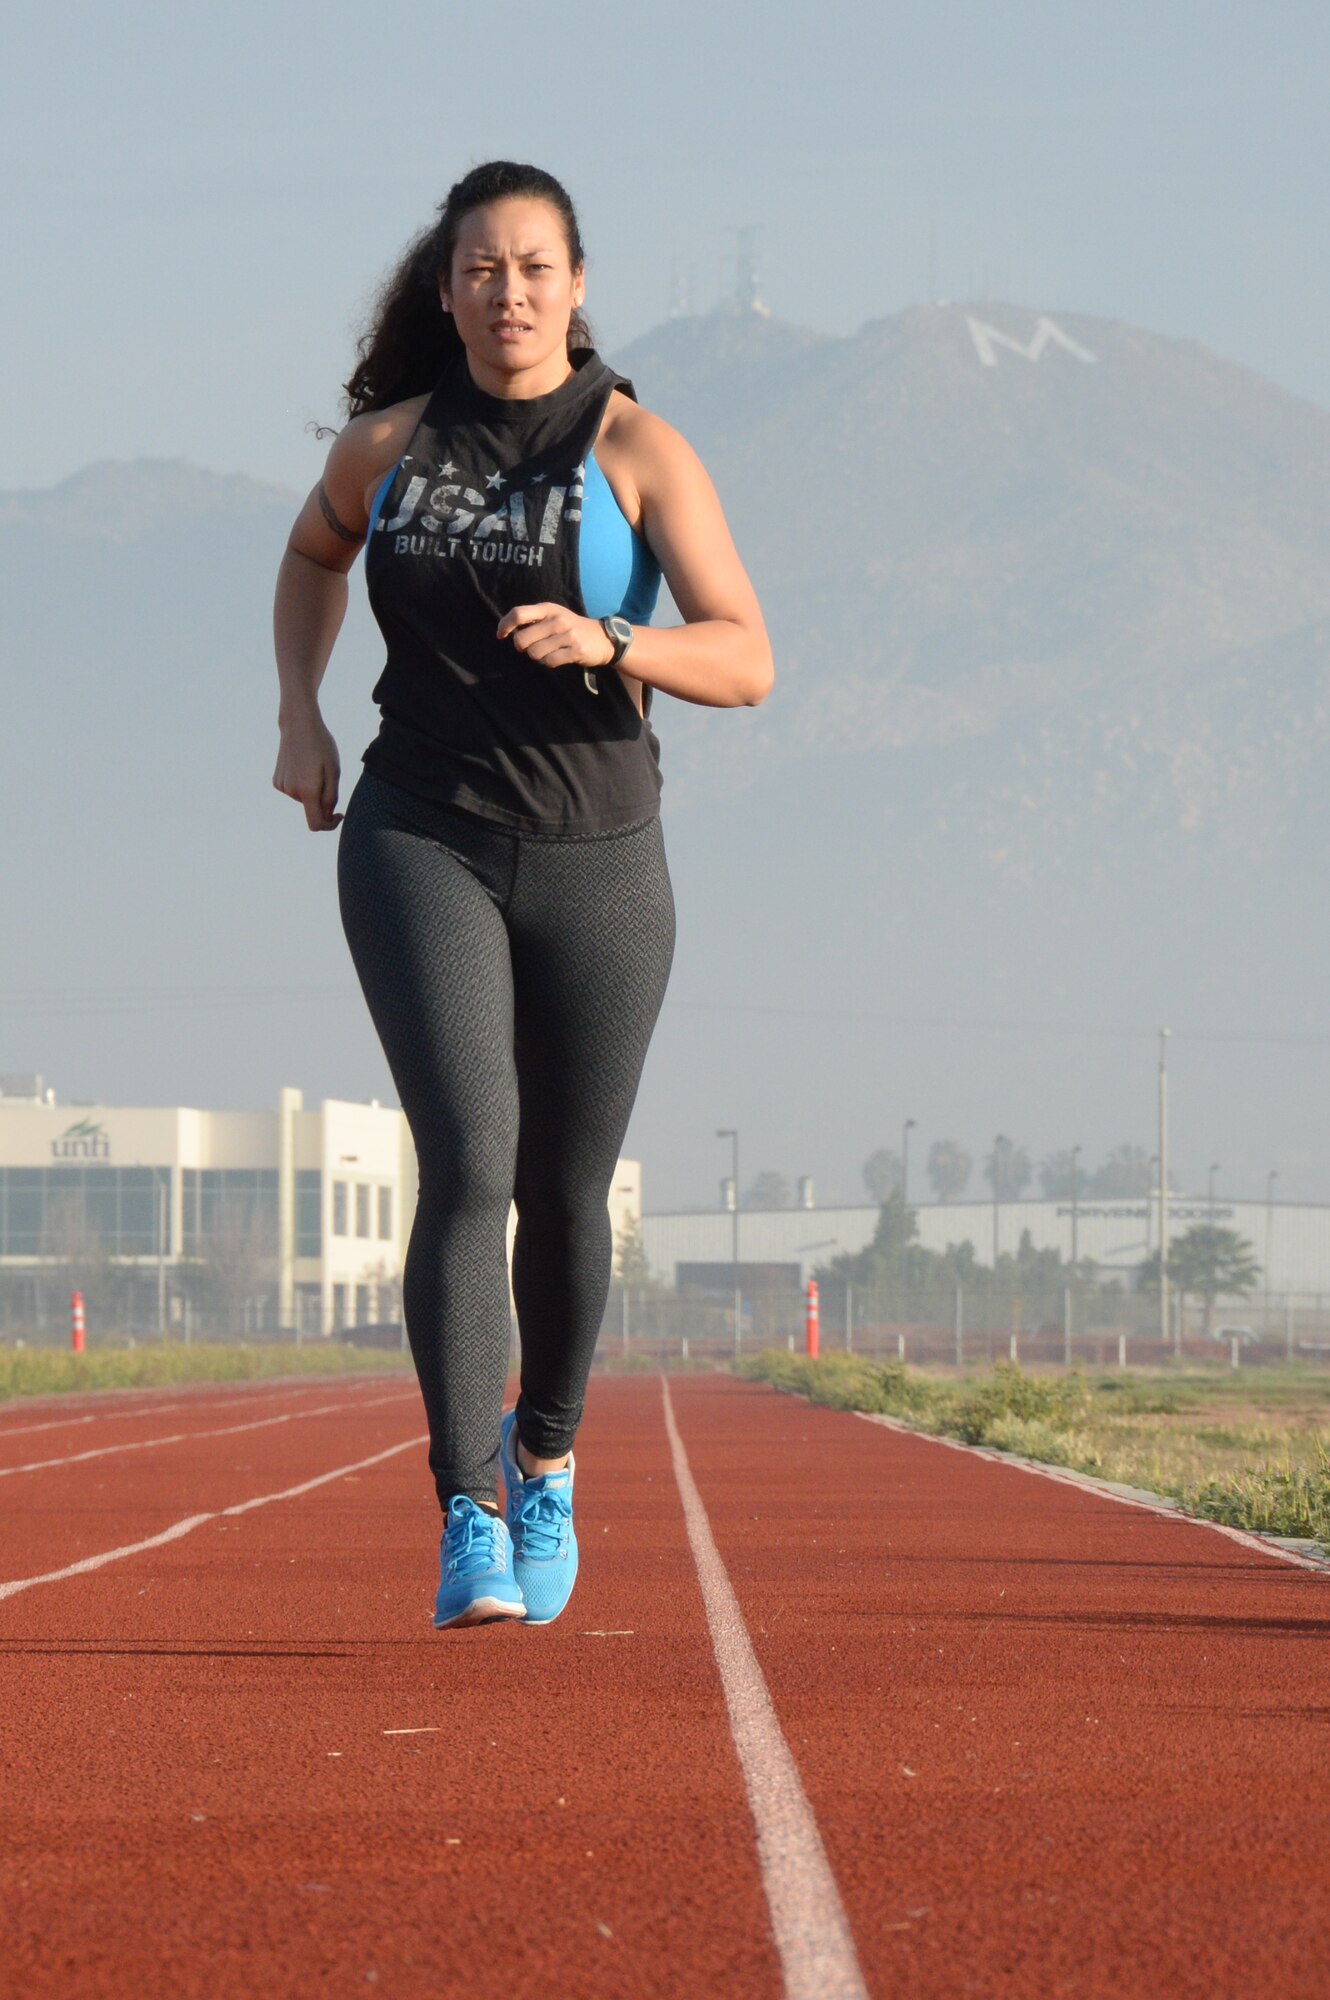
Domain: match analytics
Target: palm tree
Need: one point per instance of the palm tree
(1013, 1163)
(1206, 1263)
(948, 1168)
(1126, 1171)
(768, 1190)
(1060, 1177)
(882, 1173)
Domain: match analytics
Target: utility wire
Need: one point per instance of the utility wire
(55, 1001)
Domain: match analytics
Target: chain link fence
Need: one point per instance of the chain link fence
(959, 1327)
(935, 1326)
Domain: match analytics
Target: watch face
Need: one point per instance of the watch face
(620, 629)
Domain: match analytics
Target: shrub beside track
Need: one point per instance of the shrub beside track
(1268, 1472)
(44, 1372)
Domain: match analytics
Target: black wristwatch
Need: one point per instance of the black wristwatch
(620, 635)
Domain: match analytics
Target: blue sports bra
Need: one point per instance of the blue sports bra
(617, 572)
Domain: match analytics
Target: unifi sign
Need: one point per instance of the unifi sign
(85, 1141)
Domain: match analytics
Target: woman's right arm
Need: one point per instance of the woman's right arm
(311, 603)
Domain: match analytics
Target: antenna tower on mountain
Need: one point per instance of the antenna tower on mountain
(745, 297)
(681, 303)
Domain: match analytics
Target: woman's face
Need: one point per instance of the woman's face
(512, 288)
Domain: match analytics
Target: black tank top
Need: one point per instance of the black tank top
(484, 513)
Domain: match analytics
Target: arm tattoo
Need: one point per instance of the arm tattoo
(339, 528)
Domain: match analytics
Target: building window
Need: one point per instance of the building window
(385, 1214)
(363, 1192)
(75, 1211)
(229, 1206)
(364, 1305)
(339, 1307)
(309, 1212)
(309, 1309)
(339, 1209)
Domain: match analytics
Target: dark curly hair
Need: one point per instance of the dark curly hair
(409, 338)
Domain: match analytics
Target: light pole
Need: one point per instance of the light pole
(1164, 1301)
(1214, 1169)
(1270, 1180)
(161, 1204)
(162, 1188)
(731, 1133)
(998, 1143)
(902, 1267)
(1075, 1224)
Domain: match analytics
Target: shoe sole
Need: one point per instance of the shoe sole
(529, 1620)
(482, 1611)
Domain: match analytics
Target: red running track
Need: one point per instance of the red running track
(1043, 1743)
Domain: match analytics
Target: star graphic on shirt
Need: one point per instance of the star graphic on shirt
(448, 470)
(579, 471)
(537, 479)
(495, 479)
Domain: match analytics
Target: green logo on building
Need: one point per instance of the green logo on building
(85, 1141)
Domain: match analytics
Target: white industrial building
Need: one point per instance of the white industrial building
(1291, 1241)
(320, 1202)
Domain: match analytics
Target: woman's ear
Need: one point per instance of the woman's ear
(444, 300)
(579, 287)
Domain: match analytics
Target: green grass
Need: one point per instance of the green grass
(40, 1371)
(1264, 1466)
(1287, 1499)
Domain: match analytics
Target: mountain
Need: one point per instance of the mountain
(963, 514)
(1042, 768)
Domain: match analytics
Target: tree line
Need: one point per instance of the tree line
(1007, 1169)
(1026, 1286)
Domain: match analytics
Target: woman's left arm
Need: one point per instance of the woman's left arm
(721, 656)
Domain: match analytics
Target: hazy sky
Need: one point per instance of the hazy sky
(201, 199)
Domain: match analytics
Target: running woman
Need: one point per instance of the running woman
(501, 867)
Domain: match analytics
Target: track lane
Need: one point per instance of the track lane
(158, 1439)
(585, 1771)
(30, 1415)
(1053, 1744)
(67, 1512)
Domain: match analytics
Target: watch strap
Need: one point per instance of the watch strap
(620, 645)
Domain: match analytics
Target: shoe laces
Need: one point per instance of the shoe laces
(543, 1520)
(473, 1541)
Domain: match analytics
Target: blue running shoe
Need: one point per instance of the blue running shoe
(540, 1520)
(476, 1580)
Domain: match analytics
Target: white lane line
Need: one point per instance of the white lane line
(150, 1408)
(57, 1424)
(817, 1955)
(1087, 1483)
(188, 1437)
(192, 1521)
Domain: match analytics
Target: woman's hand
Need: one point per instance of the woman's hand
(554, 636)
(309, 769)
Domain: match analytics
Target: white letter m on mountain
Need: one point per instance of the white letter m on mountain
(1047, 333)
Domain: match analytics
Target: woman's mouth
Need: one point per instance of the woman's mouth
(509, 329)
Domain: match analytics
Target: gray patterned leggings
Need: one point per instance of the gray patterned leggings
(514, 982)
